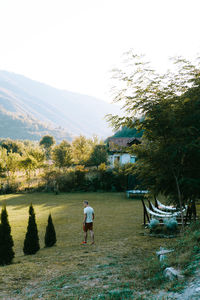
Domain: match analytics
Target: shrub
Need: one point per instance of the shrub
(171, 224)
(50, 235)
(31, 242)
(153, 224)
(6, 245)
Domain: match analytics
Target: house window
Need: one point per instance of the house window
(132, 160)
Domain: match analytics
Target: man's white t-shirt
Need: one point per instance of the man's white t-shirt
(89, 211)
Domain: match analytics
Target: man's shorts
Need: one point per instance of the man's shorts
(87, 226)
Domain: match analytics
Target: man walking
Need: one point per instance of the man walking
(88, 222)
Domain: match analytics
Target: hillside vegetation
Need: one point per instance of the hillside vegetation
(22, 127)
(72, 113)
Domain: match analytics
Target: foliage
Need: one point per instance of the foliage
(171, 224)
(81, 149)
(22, 127)
(47, 142)
(6, 246)
(31, 242)
(128, 132)
(50, 234)
(80, 178)
(37, 154)
(62, 155)
(167, 109)
(99, 155)
(28, 164)
(12, 146)
(9, 164)
(153, 223)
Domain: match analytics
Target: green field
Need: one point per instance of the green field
(117, 262)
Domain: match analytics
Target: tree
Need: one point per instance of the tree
(98, 156)
(47, 142)
(50, 235)
(12, 146)
(6, 246)
(163, 107)
(28, 164)
(3, 158)
(81, 149)
(31, 242)
(62, 155)
(9, 163)
(38, 154)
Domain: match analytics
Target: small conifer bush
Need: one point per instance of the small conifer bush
(6, 241)
(31, 242)
(50, 235)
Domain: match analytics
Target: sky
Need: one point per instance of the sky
(74, 44)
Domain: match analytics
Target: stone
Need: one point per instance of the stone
(172, 274)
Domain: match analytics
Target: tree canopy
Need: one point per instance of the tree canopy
(167, 109)
(62, 154)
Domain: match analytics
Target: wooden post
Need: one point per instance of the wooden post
(145, 213)
(187, 214)
(156, 202)
(194, 211)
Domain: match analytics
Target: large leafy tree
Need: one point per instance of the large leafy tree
(12, 146)
(9, 164)
(38, 154)
(167, 109)
(47, 142)
(29, 164)
(81, 149)
(99, 155)
(62, 155)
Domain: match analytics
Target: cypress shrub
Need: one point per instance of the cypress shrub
(50, 235)
(6, 241)
(31, 242)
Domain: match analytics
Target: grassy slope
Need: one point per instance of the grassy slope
(69, 270)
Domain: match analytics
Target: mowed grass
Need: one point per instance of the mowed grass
(70, 270)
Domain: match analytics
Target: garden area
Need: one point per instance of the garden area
(122, 264)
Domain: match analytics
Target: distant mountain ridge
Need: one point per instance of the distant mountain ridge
(70, 113)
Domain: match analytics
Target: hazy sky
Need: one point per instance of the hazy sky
(73, 44)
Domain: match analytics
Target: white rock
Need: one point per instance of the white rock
(172, 273)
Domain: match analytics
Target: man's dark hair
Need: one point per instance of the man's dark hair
(86, 202)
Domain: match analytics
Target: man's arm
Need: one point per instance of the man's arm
(93, 216)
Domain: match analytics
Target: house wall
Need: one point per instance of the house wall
(125, 158)
(122, 158)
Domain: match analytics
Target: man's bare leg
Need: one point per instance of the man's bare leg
(92, 236)
(85, 236)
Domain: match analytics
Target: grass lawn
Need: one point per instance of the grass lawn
(117, 261)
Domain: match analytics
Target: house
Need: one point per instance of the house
(118, 149)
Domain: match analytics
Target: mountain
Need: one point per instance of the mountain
(37, 108)
(21, 127)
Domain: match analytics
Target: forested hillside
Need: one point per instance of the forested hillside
(28, 99)
(19, 126)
